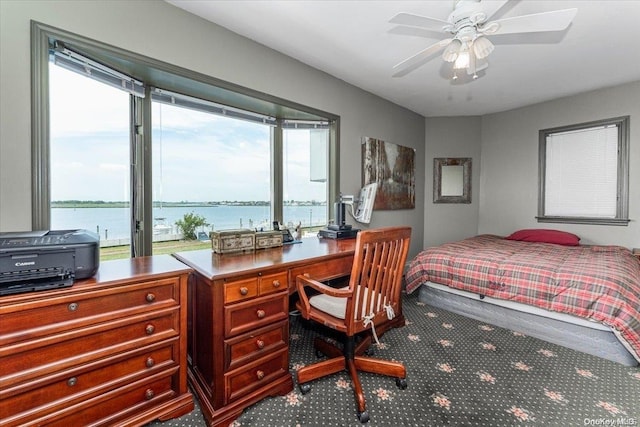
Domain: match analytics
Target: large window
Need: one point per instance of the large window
(152, 143)
(584, 173)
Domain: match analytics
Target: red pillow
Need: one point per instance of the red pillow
(545, 236)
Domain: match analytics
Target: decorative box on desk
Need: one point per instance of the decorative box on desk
(236, 240)
(268, 239)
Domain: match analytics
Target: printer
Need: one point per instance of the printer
(40, 260)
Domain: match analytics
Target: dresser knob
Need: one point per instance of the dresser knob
(260, 314)
(149, 394)
(72, 381)
(150, 329)
(260, 343)
(150, 362)
(276, 283)
(244, 291)
(150, 297)
(259, 374)
(73, 306)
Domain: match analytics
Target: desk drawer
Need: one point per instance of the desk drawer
(249, 315)
(270, 283)
(45, 356)
(240, 290)
(331, 269)
(254, 344)
(39, 318)
(243, 380)
(80, 383)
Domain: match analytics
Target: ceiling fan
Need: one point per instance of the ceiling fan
(469, 25)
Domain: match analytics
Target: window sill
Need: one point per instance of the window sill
(583, 220)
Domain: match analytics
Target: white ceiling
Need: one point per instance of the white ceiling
(354, 41)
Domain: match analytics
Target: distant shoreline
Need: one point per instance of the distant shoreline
(79, 204)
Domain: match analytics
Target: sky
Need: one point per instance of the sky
(196, 156)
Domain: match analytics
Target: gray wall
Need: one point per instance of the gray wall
(451, 137)
(509, 169)
(164, 32)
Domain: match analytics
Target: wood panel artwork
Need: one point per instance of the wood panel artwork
(392, 166)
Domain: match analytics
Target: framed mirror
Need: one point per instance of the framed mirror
(452, 180)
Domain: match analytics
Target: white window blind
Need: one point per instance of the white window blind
(64, 57)
(581, 173)
(186, 101)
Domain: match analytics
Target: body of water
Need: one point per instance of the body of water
(114, 223)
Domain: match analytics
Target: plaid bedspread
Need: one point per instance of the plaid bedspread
(595, 282)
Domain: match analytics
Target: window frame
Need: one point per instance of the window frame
(154, 73)
(622, 187)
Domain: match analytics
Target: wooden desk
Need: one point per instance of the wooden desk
(238, 328)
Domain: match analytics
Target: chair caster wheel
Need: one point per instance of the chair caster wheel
(401, 383)
(305, 388)
(363, 417)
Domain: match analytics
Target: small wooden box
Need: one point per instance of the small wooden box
(268, 239)
(236, 240)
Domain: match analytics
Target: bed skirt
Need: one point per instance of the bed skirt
(596, 339)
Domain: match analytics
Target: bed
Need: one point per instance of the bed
(585, 297)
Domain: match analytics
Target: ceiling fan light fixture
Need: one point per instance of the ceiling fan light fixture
(450, 54)
(463, 59)
(482, 47)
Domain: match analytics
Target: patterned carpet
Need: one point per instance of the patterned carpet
(460, 372)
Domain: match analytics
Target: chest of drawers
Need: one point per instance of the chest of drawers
(110, 350)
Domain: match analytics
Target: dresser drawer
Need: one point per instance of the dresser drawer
(75, 385)
(130, 400)
(254, 375)
(38, 318)
(243, 348)
(23, 362)
(331, 269)
(249, 315)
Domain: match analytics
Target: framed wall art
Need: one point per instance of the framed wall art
(392, 166)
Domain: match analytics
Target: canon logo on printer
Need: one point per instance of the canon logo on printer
(22, 264)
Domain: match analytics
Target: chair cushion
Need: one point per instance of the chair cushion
(335, 306)
(331, 305)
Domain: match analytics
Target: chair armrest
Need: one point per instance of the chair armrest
(304, 280)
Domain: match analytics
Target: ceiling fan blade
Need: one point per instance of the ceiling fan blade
(490, 8)
(413, 62)
(556, 20)
(412, 20)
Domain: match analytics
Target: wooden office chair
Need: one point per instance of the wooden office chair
(370, 301)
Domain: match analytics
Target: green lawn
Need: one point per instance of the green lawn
(119, 252)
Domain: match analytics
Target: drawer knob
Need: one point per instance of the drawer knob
(244, 290)
(150, 362)
(259, 374)
(260, 343)
(72, 381)
(149, 394)
(276, 283)
(150, 297)
(73, 306)
(150, 329)
(260, 314)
